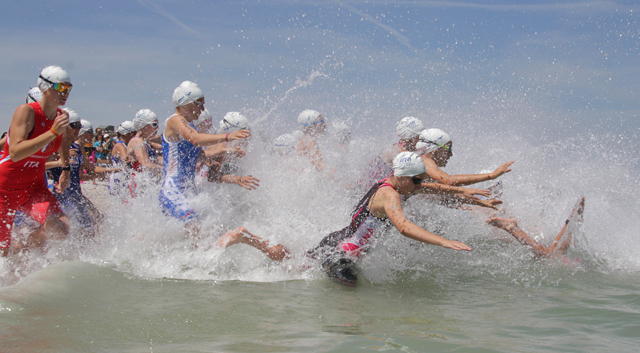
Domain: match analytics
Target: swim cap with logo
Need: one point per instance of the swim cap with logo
(204, 124)
(284, 143)
(73, 116)
(52, 74)
(34, 95)
(431, 140)
(187, 92)
(86, 126)
(127, 127)
(308, 117)
(143, 118)
(232, 122)
(408, 164)
(409, 127)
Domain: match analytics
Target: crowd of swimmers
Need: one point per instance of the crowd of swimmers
(190, 150)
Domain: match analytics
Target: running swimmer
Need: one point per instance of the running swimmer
(119, 181)
(36, 133)
(381, 205)
(79, 208)
(144, 157)
(312, 125)
(181, 146)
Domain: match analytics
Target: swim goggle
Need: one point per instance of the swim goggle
(416, 180)
(315, 122)
(447, 148)
(75, 125)
(154, 124)
(229, 125)
(59, 86)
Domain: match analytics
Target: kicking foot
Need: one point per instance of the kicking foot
(233, 237)
(503, 223)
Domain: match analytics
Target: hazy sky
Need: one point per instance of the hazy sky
(549, 65)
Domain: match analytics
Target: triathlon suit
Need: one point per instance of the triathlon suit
(355, 239)
(118, 181)
(72, 201)
(23, 186)
(179, 170)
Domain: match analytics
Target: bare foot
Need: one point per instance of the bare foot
(503, 223)
(235, 236)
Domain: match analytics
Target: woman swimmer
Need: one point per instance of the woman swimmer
(381, 204)
(181, 147)
(36, 133)
(435, 146)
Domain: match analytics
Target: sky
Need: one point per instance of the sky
(542, 69)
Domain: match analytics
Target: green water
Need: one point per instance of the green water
(79, 307)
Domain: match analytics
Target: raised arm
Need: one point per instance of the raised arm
(22, 125)
(393, 210)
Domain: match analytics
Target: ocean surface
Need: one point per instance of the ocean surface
(143, 286)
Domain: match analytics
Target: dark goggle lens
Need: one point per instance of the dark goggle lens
(416, 180)
(75, 125)
(154, 124)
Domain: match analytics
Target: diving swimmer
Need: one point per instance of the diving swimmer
(381, 205)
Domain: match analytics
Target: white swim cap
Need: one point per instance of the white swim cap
(309, 117)
(51, 75)
(297, 134)
(232, 122)
(143, 118)
(342, 131)
(86, 126)
(187, 92)
(431, 140)
(73, 116)
(409, 127)
(34, 95)
(127, 127)
(204, 116)
(285, 143)
(408, 164)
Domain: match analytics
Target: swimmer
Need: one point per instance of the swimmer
(144, 156)
(36, 133)
(408, 130)
(81, 210)
(120, 181)
(312, 125)
(181, 147)
(381, 205)
(436, 148)
(539, 250)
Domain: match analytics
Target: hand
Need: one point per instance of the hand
(471, 192)
(248, 182)
(501, 170)
(235, 152)
(241, 134)
(456, 245)
(61, 123)
(489, 203)
(63, 182)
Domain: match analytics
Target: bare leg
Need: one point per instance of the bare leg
(564, 246)
(242, 236)
(54, 227)
(512, 228)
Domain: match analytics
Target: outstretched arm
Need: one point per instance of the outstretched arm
(180, 126)
(438, 175)
(460, 194)
(393, 210)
